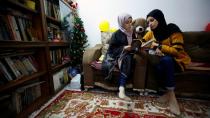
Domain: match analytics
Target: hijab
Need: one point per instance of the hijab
(162, 31)
(122, 19)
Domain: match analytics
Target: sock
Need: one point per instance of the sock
(122, 93)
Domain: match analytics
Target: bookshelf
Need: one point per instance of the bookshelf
(34, 50)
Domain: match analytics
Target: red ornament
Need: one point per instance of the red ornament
(208, 28)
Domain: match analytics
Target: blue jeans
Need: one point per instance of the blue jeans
(126, 69)
(165, 71)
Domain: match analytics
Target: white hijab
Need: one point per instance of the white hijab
(121, 21)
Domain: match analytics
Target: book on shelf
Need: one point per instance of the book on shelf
(54, 32)
(59, 56)
(12, 66)
(4, 30)
(25, 95)
(52, 9)
(30, 67)
(21, 28)
(7, 111)
(9, 69)
(18, 66)
(60, 78)
(14, 27)
(33, 61)
(3, 79)
(5, 72)
(21, 67)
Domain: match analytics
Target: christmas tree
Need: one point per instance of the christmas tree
(78, 40)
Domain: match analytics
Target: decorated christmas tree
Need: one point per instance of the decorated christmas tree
(78, 39)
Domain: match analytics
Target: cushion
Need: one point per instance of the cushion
(198, 66)
(105, 38)
(96, 65)
(197, 45)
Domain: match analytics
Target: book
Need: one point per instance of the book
(58, 80)
(22, 67)
(4, 30)
(11, 64)
(5, 72)
(14, 26)
(148, 43)
(3, 79)
(21, 28)
(25, 95)
(8, 68)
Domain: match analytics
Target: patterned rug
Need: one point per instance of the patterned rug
(80, 104)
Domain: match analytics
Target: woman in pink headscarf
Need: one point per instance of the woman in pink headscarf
(118, 53)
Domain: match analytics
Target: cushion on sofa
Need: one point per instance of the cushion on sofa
(96, 65)
(105, 38)
(197, 45)
(198, 66)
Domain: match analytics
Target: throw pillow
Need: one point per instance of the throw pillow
(105, 38)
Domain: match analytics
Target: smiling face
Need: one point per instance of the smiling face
(128, 24)
(152, 22)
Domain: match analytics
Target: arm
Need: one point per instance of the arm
(117, 44)
(148, 39)
(176, 43)
(148, 36)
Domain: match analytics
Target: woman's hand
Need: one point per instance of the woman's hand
(154, 45)
(159, 52)
(127, 48)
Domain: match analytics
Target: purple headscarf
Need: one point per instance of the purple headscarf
(121, 21)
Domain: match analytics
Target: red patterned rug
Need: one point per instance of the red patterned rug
(80, 104)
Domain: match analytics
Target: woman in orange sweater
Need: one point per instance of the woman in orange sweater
(169, 47)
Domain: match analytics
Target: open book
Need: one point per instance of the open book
(148, 43)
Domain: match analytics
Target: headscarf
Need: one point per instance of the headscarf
(162, 31)
(121, 21)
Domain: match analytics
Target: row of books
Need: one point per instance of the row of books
(60, 78)
(54, 33)
(58, 56)
(12, 68)
(25, 95)
(16, 28)
(52, 8)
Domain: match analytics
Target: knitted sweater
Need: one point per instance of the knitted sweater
(173, 46)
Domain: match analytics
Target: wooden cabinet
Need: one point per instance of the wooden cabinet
(33, 47)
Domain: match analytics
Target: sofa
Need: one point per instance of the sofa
(93, 76)
(194, 82)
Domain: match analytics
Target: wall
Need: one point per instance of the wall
(189, 15)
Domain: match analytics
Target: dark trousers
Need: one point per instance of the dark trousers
(165, 71)
(126, 69)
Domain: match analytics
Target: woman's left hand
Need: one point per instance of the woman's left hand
(158, 52)
(154, 44)
(127, 48)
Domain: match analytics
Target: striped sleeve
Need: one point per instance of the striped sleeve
(177, 41)
(176, 45)
(148, 36)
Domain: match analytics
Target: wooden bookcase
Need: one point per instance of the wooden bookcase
(33, 47)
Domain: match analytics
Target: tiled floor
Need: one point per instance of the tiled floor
(75, 83)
